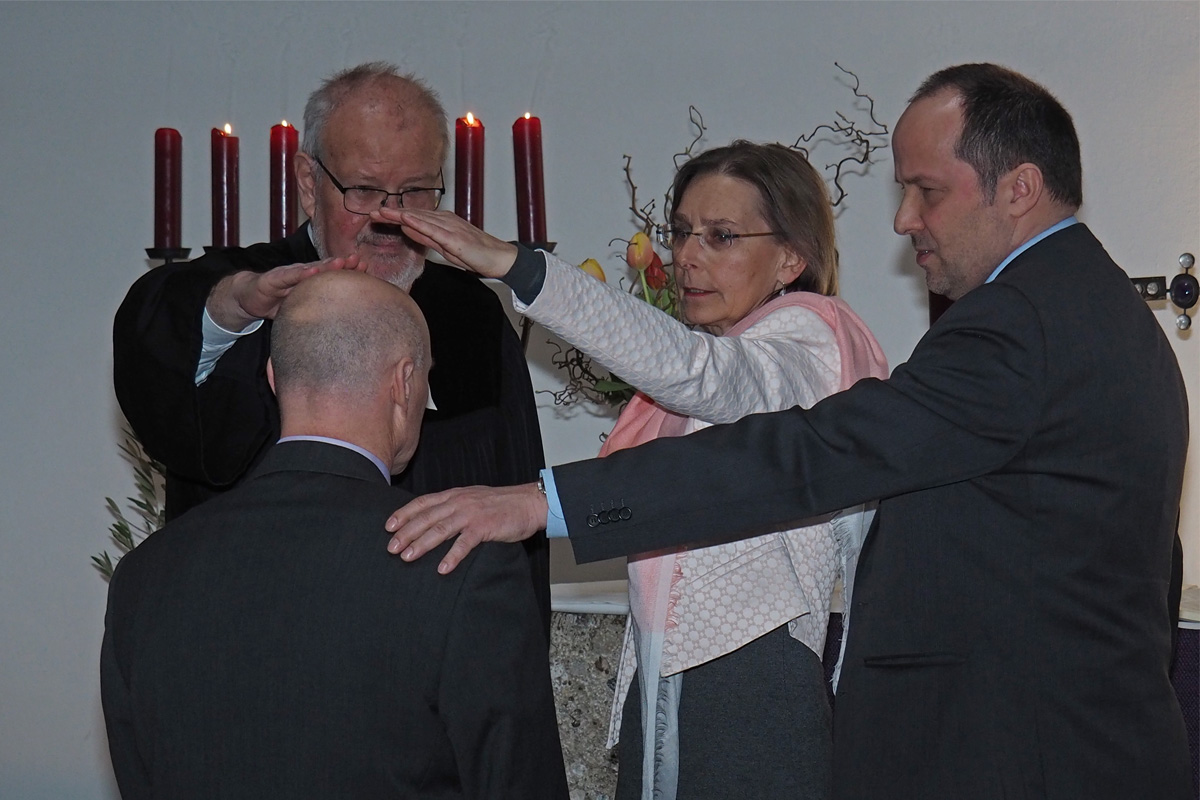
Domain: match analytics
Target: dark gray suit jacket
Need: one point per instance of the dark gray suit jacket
(1009, 634)
(265, 644)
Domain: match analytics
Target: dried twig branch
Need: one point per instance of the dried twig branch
(697, 121)
(645, 214)
(863, 141)
(584, 383)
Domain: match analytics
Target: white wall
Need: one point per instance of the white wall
(85, 85)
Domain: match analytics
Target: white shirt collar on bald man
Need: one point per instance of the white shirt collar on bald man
(387, 473)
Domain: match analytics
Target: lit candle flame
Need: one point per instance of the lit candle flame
(284, 123)
(527, 115)
(228, 129)
(470, 119)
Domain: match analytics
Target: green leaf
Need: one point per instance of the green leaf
(149, 479)
(104, 564)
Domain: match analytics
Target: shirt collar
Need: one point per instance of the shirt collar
(1066, 223)
(349, 446)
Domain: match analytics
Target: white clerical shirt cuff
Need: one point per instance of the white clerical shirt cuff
(215, 341)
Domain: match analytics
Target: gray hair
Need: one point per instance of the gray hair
(333, 91)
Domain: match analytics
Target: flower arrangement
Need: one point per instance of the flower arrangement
(655, 283)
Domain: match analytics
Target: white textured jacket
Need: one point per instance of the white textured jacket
(728, 594)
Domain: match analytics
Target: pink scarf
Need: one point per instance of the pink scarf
(643, 419)
(654, 576)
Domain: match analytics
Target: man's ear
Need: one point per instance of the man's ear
(306, 179)
(271, 375)
(404, 385)
(1022, 188)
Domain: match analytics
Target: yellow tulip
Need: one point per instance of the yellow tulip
(592, 267)
(640, 252)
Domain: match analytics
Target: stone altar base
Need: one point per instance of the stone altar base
(584, 649)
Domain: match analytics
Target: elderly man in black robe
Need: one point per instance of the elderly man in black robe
(191, 340)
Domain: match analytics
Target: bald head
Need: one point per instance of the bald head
(339, 331)
(350, 360)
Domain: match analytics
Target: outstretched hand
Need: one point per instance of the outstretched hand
(243, 297)
(459, 242)
(474, 513)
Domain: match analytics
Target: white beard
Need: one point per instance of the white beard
(402, 275)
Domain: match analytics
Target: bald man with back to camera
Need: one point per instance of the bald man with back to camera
(265, 644)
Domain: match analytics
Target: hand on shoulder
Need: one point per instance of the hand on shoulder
(474, 514)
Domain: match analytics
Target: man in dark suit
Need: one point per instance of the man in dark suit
(265, 645)
(191, 340)
(1009, 634)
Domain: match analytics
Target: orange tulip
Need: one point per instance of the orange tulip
(592, 267)
(640, 252)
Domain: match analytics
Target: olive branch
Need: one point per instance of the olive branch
(147, 507)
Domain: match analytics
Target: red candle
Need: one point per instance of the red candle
(283, 181)
(168, 184)
(225, 211)
(468, 169)
(531, 195)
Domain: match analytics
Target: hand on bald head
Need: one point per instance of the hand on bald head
(342, 346)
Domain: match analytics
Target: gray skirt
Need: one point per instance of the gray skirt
(754, 723)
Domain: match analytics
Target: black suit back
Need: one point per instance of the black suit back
(267, 645)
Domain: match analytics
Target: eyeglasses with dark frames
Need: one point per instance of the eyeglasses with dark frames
(365, 199)
(710, 238)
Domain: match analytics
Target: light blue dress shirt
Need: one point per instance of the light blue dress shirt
(1066, 223)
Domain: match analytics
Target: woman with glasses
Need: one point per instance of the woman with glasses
(721, 691)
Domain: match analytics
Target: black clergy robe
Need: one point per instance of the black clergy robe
(484, 431)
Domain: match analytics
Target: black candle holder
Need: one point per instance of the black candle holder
(526, 322)
(168, 254)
